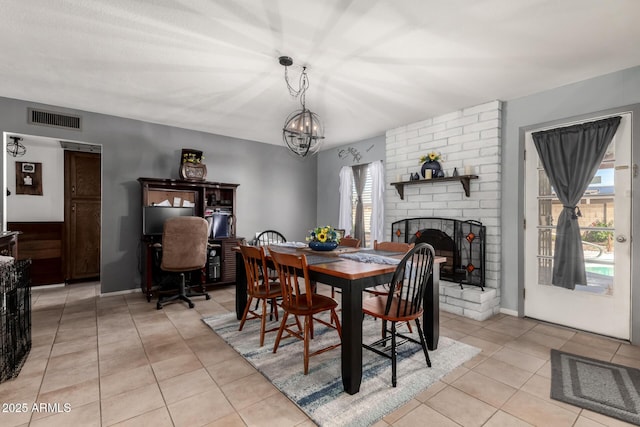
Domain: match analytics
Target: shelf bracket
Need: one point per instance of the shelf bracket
(465, 184)
(400, 189)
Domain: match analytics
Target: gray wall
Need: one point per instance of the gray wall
(276, 190)
(329, 164)
(586, 98)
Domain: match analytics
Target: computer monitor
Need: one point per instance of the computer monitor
(153, 217)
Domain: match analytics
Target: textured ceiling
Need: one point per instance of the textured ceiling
(211, 65)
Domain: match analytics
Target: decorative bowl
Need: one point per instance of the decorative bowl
(323, 246)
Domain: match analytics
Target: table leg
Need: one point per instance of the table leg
(431, 314)
(241, 286)
(351, 339)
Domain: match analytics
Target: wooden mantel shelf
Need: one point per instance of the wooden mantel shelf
(464, 180)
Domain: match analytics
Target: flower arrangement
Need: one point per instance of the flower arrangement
(323, 235)
(431, 157)
(192, 158)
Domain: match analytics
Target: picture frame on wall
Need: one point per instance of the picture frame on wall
(28, 167)
(29, 178)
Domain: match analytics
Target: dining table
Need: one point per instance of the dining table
(352, 277)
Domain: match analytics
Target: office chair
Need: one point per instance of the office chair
(184, 249)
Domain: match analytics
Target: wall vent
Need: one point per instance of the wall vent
(50, 118)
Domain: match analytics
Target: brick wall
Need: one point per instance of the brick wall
(468, 137)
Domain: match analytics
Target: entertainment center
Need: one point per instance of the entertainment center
(214, 201)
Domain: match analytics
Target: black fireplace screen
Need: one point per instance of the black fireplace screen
(461, 242)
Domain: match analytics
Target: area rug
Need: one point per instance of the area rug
(320, 393)
(603, 387)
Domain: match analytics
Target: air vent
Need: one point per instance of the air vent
(49, 118)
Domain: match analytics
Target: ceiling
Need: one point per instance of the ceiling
(212, 65)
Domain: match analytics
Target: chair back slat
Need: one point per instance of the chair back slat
(293, 269)
(410, 280)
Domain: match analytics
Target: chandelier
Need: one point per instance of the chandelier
(302, 131)
(15, 147)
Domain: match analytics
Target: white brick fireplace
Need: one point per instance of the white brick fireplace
(468, 137)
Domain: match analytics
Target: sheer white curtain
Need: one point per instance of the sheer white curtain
(345, 218)
(376, 170)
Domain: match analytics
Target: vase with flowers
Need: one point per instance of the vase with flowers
(192, 167)
(431, 161)
(323, 238)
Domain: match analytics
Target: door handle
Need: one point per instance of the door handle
(621, 239)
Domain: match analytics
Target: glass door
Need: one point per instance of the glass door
(602, 305)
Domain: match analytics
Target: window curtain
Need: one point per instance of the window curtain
(345, 219)
(571, 156)
(359, 179)
(377, 201)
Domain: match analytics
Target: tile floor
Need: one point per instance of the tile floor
(118, 361)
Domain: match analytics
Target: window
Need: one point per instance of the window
(367, 206)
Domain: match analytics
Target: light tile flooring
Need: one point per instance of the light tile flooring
(118, 361)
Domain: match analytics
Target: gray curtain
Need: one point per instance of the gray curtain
(359, 178)
(571, 157)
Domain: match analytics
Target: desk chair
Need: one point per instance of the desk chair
(299, 300)
(259, 288)
(403, 303)
(184, 248)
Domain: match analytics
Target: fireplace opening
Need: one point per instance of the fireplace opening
(442, 244)
(461, 242)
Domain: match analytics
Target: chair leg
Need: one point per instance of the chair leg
(263, 321)
(423, 343)
(245, 313)
(394, 354)
(280, 330)
(274, 309)
(308, 328)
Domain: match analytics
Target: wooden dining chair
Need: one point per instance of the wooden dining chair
(381, 290)
(267, 238)
(264, 291)
(299, 300)
(348, 242)
(403, 303)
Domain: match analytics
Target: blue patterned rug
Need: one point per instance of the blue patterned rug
(319, 394)
(607, 388)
